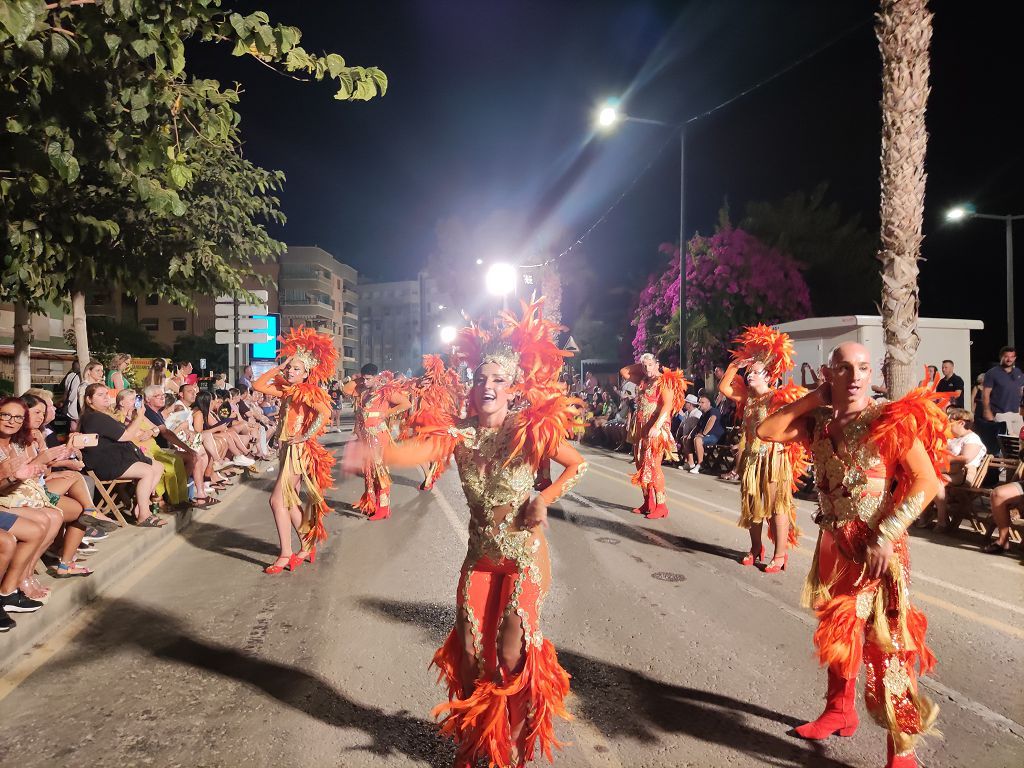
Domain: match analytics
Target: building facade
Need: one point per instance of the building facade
(317, 290)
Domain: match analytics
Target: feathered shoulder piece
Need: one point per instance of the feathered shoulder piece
(799, 456)
(920, 415)
(790, 392)
(540, 428)
(674, 385)
(772, 347)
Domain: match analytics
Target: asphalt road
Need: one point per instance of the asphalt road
(679, 656)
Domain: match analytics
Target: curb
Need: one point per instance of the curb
(116, 556)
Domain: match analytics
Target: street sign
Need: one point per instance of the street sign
(263, 296)
(224, 337)
(224, 310)
(252, 338)
(202, 363)
(252, 309)
(225, 299)
(571, 346)
(252, 323)
(224, 324)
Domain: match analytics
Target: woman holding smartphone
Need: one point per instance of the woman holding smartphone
(115, 456)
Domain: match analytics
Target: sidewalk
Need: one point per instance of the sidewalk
(117, 555)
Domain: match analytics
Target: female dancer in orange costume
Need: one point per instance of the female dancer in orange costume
(768, 471)
(438, 389)
(660, 393)
(376, 399)
(505, 684)
(300, 381)
(876, 467)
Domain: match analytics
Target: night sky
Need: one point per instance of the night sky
(489, 116)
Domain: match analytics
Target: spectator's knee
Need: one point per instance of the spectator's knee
(7, 544)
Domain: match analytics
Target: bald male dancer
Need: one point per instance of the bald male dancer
(875, 468)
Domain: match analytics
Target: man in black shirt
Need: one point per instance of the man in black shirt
(950, 382)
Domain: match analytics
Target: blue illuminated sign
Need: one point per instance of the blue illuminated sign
(268, 349)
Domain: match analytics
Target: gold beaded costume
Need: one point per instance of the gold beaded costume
(867, 494)
(505, 685)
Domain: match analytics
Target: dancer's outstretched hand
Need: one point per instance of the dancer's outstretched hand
(353, 457)
(534, 514)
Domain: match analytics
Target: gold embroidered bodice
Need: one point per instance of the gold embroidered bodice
(489, 486)
(852, 482)
(755, 411)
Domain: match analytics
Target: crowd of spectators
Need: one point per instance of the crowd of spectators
(176, 444)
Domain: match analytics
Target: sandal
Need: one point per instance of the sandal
(202, 502)
(995, 548)
(151, 522)
(68, 570)
(91, 516)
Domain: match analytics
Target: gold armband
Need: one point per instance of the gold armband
(895, 524)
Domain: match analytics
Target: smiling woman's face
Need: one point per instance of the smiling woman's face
(492, 389)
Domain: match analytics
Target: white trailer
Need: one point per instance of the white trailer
(941, 339)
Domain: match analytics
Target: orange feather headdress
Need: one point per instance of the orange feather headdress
(314, 350)
(767, 345)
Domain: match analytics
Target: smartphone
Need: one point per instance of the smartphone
(83, 439)
(138, 402)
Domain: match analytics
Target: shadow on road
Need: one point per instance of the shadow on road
(625, 704)
(633, 533)
(229, 542)
(164, 637)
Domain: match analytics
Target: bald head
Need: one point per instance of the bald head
(849, 351)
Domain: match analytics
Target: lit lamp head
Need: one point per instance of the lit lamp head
(500, 279)
(959, 213)
(448, 334)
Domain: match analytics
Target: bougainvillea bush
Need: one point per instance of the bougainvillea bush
(732, 280)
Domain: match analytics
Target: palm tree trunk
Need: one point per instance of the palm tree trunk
(22, 349)
(81, 331)
(904, 31)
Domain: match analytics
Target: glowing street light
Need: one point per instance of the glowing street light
(501, 279)
(607, 117)
(961, 212)
(448, 334)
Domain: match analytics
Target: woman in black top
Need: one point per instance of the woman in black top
(115, 456)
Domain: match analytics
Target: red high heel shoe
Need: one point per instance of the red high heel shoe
(773, 568)
(892, 760)
(294, 562)
(279, 565)
(308, 555)
(381, 513)
(750, 558)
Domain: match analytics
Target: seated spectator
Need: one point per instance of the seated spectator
(115, 456)
(157, 373)
(24, 494)
(708, 432)
(691, 414)
(206, 422)
(966, 452)
(115, 375)
(174, 481)
(20, 539)
(259, 425)
(1004, 498)
(93, 374)
(192, 455)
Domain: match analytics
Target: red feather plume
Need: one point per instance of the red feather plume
(762, 342)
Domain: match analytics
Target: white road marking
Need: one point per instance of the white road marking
(918, 575)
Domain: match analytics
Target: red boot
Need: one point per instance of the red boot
(892, 760)
(840, 713)
(644, 508)
(658, 507)
(380, 513)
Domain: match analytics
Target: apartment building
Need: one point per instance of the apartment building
(317, 290)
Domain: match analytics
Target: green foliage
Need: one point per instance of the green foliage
(107, 336)
(120, 169)
(195, 348)
(838, 254)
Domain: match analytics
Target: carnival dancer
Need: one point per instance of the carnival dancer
(300, 381)
(376, 399)
(768, 471)
(876, 468)
(660, 393)
(505, 684)
(438, 389)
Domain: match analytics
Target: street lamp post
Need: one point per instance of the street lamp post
(607, 118)
(962, 212)
(501, 281)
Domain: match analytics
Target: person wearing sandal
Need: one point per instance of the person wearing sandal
(310, 360)
(966, 452)
(766, 470)
(115, 456)
(1004, 498)
(20, 540)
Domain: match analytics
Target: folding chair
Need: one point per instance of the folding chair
(107, 505)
